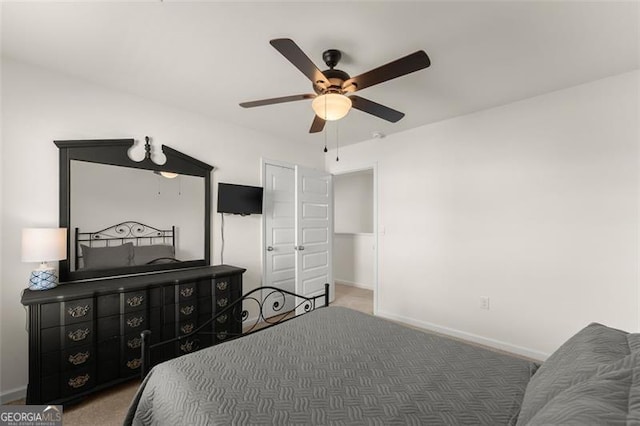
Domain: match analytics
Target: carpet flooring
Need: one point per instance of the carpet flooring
(109, 407)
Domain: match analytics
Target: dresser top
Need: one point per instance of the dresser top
(90, 288)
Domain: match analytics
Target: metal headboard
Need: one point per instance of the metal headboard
(125, 232)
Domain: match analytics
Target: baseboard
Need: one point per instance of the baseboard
(352, 284)
(470, 337)
(13, 395)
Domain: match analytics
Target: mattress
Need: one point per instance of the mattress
(335, 366)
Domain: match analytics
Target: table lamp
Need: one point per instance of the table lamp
(43, 245)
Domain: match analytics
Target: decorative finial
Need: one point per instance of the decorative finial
(147, 147)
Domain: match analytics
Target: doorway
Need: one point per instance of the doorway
(355, 236)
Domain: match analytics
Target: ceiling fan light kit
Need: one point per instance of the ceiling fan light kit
(331, 106)
(333, 87)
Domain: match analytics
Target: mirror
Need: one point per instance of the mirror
(126, 217)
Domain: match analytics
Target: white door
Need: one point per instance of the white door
(279, 220)
(314, 232)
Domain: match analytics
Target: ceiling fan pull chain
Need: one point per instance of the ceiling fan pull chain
(325, 127)
(337, 142)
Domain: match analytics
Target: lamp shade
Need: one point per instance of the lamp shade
(331, 106)
(44, 244)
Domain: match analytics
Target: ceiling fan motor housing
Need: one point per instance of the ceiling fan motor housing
(336, 77)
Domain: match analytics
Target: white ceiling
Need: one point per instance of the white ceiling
(207, 57)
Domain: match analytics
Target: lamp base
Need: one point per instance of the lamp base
(43, 279)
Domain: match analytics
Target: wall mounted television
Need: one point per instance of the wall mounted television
(239, 199)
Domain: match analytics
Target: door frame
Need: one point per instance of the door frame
(376, 240)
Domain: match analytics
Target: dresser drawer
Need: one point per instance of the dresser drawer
(78, 311)
(65, 313)
(56, 338)
(180, 312)
(186, 327)
(68, 384)
(169, 331)
(188, 345)
(204, 287)
(134, 301)
(119, 325)
(186, 291)
(205, 306)
(108, 305)
(222, 336)
(108, 327)
(133, 341)
(77, 334)
(220, 303)
(222, 321)
(134, 321)
(77, 357)
(77, 381)
(221, 286)
(109, 349)
(54, 362)
(108, 360)
(131, 363)
(187, 310)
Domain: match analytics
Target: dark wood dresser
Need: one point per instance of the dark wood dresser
(85, 336)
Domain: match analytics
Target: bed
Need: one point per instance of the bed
(124, 244)
(338, 366)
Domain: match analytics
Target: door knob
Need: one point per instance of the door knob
(269, 248)
(300, 248)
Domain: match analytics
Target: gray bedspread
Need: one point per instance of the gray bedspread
(335, 366)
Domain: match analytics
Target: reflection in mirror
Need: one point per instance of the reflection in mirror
(130, 217)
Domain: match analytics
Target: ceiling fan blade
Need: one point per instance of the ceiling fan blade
(376, 109)
(317, 125)
(403, 66)
(290, 50)
(272, 101)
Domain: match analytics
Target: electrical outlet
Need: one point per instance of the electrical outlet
(484, 302)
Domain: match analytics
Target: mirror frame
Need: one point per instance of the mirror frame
(116, 152)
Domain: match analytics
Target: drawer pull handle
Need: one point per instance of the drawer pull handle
(187, 292)
(135, 322)
(187, 346)
(222, 302)
(78, 382)
(134, 363)
(222, 285)
(78, 311)
(134, 343)
(79, 358)
(222, 318)
(79, 334)
(135, 301)
(187, 328)
(222, 335)
(187, 310)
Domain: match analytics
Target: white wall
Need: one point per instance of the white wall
(353, 201)
(39, 107)
(353, 257)
(534, 204)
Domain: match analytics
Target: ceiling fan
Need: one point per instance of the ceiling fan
(333, 87)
